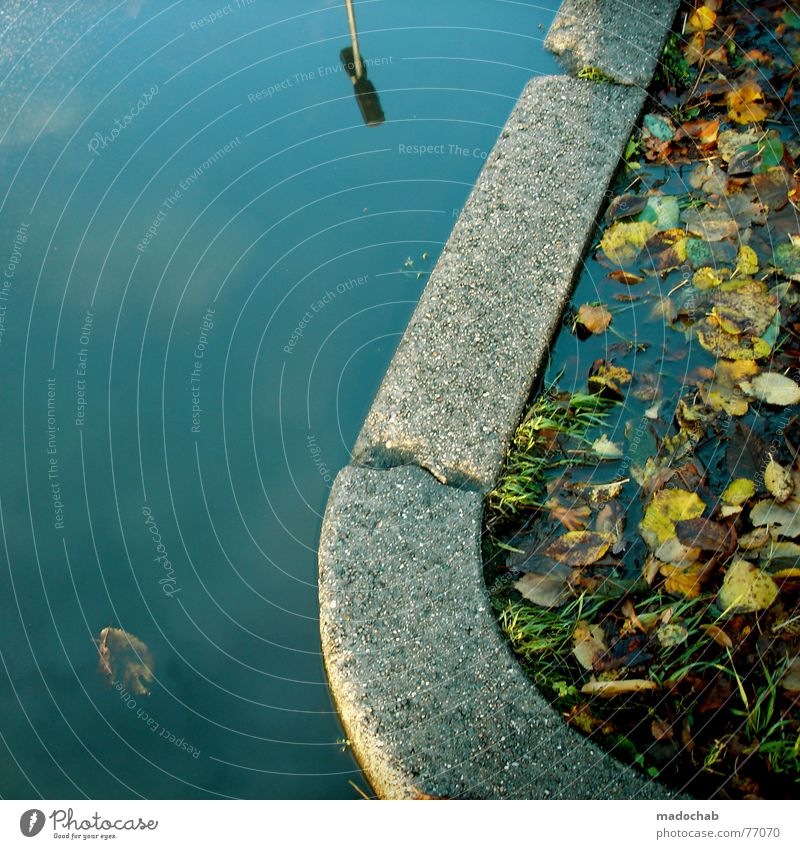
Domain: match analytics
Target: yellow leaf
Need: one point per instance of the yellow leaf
(746, 261)
(738, 491)
(733, 372)
(701, 19)
(667, 507)
(707, 278)
(778, 481)
(742, 103)
(746, 589)
(681, 580)
(624, 240)
(580, 548)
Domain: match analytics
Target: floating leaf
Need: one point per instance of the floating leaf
(126, 660)
(738, 491)
(605, 448)
(624, 240)
(607, 380)
(625, 277)
(579, 548)
(626, 205)
(701, 19)
(707, 277)
(666, 508)
(773, 388)
(746, 261)
(744, 103)
(746, 589)
(594, 318)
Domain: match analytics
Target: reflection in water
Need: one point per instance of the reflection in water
(206, 261)
(366, 96)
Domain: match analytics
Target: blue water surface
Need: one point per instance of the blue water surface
(207, 261)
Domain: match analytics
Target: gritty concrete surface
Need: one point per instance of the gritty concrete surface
(462, 373)
(429, 693)
(621, 38)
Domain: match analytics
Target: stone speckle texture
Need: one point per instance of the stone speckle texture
(623, 39)
(428, 691)
(462, 373)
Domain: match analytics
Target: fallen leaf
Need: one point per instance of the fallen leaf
(550, 590)
(746, 261)
(785, 518)
(579, 548)
(773, 388)
(666, 508)
(706, 535)
(778, 481)
(718, 636)
(790, 680)
(607, 689)
(126, 660)
(685, 581)
(594, 318)
(608, 380)
(746, 589)
(672, 634)
(624, 240)
(744, 103)
(588, 643)
(625, 277)
(738, 491)
(701, 19)
(606, 449)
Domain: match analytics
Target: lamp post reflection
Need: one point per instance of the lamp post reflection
(366, 95)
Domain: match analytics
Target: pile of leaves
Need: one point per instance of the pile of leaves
(643, 544)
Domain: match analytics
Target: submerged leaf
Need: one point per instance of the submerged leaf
(126, 660)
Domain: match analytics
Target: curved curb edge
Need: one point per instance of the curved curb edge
(430, 696)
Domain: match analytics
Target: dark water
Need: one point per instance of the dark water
(207, 261)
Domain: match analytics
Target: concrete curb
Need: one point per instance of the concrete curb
(430, 696)
(620, 38)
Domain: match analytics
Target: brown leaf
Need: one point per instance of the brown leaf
(126, 660)
(707, 535)
(594, 318)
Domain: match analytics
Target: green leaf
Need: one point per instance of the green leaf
(658, 127)
(791, 18)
